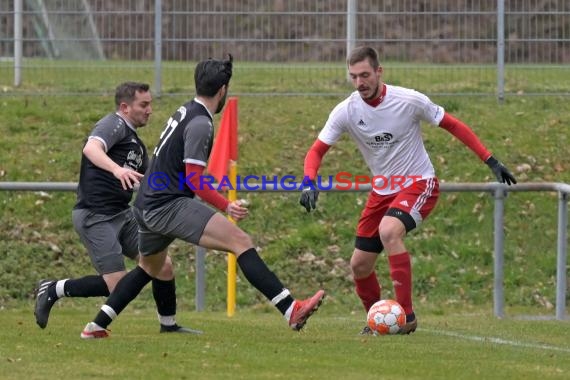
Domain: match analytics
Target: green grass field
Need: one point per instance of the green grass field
(258, 345)
(42, 136)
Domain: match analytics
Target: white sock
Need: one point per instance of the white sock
(280, 297)
(59, 286)
(109, 311)
(168, 320)
(289, 311)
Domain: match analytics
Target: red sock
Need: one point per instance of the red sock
(368, 289)
(401, 274)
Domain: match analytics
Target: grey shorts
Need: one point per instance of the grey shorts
(107, 238)
(184, 218)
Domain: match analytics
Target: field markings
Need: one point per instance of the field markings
(483, 339)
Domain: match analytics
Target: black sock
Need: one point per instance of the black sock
(259, 275)
(88, 286)
(126, 290)
(164, 293)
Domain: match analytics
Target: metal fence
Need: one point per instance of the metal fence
(492, 47)
(499, 192)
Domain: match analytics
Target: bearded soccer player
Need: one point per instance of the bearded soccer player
(171, 212)
(384, 121)
(114, 159)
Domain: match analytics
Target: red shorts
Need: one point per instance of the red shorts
(417, 200)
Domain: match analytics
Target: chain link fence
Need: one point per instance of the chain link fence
(453, 46)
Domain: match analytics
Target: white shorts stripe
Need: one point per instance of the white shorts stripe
(421, 201)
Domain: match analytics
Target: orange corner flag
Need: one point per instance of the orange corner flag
(225, 146)
(225, 150)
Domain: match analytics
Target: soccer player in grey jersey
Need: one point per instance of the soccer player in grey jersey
(168, 212)
(114, 160)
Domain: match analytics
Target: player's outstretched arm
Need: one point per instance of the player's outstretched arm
(462, 132)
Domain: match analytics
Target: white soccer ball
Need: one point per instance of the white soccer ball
(386, 317)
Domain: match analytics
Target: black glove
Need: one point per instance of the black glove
(309, 195)
(501, 172)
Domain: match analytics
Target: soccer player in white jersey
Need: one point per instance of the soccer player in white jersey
(384, 121)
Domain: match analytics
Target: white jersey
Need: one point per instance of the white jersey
(388, 135)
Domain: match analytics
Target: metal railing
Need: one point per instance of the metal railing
(292, 47)
(499, 192)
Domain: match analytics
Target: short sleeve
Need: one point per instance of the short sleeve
(198, 138)
(431, 112)
(335, 125)
(109, 130)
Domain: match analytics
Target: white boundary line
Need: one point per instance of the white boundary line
(496, 340)
(483, 339)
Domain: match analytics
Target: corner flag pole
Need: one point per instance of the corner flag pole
(223, 161)
(232, 261)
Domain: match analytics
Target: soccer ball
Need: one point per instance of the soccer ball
(386, 317)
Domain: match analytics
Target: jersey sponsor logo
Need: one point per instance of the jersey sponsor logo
(134, 160)
(404, 203)
(382, 141)
(361, 123)
(383, 137)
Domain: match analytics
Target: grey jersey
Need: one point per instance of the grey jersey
(98, 189)
(187, 138)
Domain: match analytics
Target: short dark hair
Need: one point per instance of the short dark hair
(362, 53)
(126, 92)
(211, 74)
